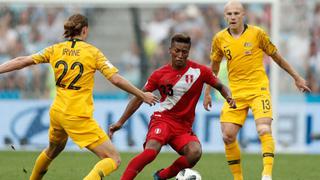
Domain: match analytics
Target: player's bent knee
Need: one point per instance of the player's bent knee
(228, 138)
(196, 152)
(264, 130)
(193, 153)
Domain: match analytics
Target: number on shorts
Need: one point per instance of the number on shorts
(265, 104)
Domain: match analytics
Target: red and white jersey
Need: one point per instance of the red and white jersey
(180, 90)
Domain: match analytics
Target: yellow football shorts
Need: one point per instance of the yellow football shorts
(260, 105)
(84, 131)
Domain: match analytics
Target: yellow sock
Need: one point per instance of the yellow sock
(103, 168)
(233, 158)
(40, 166)
(267, 144)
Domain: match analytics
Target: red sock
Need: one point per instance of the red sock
(138, 163)
(178, 165)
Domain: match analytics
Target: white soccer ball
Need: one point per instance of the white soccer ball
(188, 174)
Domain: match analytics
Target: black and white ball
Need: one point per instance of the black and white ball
(188, 174)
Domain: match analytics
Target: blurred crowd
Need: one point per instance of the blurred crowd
(300, 41)
(313, 58)
(27, 29)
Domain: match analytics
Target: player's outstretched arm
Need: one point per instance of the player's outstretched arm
(125, 85)
(226, 93)
(215, 67)
(299, 81)
(16, 64)
(131, 108)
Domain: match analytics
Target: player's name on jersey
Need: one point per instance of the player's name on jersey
(71, 52)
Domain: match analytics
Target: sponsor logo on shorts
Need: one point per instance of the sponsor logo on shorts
(157, 131)
(266, 111)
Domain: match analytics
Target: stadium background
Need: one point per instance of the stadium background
(135, 38)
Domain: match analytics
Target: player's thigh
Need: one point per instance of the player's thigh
(230, 130)
(236, 116)
(84, 131)
(182, 143)
(57, 134)
(261, 106)
(158, 131)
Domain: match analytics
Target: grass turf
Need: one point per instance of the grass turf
(75, 165)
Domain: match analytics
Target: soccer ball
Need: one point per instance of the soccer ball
(188, 174)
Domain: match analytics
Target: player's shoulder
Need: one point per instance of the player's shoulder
(195, 64)
(255, 29)
(160, 71)
(58, 45)
(221, 33)
(163, 69)
(88, 47)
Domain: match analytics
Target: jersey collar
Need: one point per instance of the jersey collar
(74, 39)
(245, 28)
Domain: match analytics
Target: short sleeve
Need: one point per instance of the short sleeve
(104, 65)
(265, 43)
(216, 53)
(209, 77)
(151, 83)
(43, 56)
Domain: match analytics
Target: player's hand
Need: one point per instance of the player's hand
(207, 102)
(150, 98)
(302, 85)
(113, 128)
(232, 103)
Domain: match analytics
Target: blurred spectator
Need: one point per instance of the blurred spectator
(313, 68)
(158, 29)
(8, 35)
(129, 65)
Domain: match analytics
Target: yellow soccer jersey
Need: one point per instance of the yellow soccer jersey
(74, 63)
(244, 57)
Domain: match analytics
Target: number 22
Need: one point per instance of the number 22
(65, 70)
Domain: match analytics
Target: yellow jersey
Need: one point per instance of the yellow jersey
(74, 63)
(244, 57)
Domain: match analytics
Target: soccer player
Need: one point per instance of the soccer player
(243, 47)
(74, 63)
(180, 84)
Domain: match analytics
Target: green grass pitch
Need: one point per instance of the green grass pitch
(75, 165)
